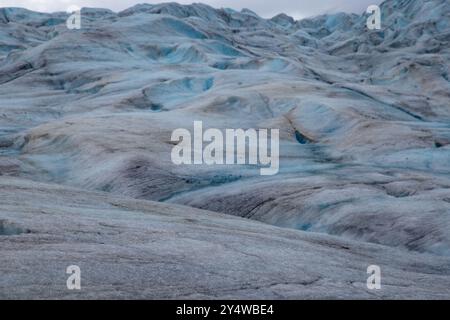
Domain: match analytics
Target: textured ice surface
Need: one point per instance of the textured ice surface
(364, 123)
(135, 249)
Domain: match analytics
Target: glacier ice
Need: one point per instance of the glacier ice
(364, 125)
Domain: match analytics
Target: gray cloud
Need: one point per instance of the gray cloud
(296, 8)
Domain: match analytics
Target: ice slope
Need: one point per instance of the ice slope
(135, 249)
(363, 115)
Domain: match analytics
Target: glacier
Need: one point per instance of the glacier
(86, 118)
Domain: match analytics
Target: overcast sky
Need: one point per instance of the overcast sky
(265, 8)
